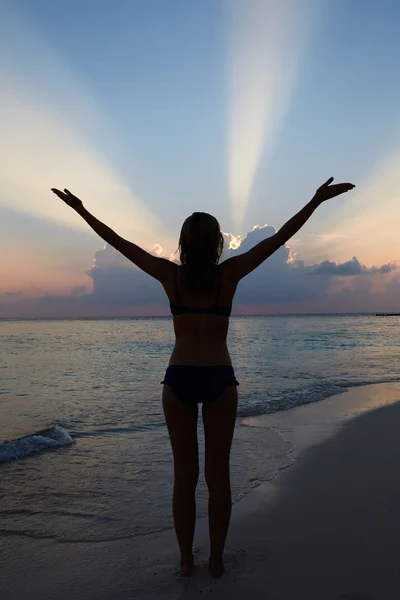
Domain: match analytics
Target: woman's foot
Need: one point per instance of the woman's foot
(216, 565)
(187, 565)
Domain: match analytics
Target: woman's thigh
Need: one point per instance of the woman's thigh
(181, 418)
(219, 420)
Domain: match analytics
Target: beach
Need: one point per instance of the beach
(328, 526)
(191, 188)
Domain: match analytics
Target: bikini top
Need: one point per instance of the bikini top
(180, 309)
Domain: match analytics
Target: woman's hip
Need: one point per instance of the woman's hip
(199, 383)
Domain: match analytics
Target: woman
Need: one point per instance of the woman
(200, 292)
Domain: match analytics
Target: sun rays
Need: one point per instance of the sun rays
(367, 223)
(47, 119)
(267, 39)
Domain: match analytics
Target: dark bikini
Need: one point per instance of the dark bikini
(198, 383)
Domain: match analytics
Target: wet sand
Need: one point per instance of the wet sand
(328, 527)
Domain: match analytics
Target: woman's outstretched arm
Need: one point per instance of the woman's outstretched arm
(243, 264)
(159, 268)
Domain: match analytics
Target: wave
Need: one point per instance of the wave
(107, 430)
(46, 439)
(281, 400)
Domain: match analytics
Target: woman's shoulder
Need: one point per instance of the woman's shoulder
(228, 267)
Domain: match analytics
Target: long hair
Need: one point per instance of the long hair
(200, 247)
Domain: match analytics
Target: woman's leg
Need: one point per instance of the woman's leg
(219, 419)
(181, 421)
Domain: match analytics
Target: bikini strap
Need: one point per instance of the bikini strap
(176, 287)
(218, 287)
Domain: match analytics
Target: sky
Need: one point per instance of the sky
(149, 110)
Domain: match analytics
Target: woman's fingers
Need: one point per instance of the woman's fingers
(58, 192)
(64, 195)
(327, 190)
(325, 185)
(67, 197)
(341, 188)
(347, 186)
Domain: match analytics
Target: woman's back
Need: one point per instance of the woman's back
(201, 319)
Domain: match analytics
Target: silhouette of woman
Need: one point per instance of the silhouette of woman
(200, 291)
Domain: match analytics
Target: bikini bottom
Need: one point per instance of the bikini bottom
(193, 384)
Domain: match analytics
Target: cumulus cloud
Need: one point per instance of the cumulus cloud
(78, 291)
(350, 267)
(119, 287)
(8, 296)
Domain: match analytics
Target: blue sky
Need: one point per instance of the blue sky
(150, 110)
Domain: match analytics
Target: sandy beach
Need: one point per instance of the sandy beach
(327, 527)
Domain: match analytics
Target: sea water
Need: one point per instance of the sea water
(84, 449)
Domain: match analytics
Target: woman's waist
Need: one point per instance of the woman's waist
(200, 354)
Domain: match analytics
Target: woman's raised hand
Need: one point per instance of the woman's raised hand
(327, 191)
(68, 198)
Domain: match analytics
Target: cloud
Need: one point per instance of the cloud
(78, 291)
(351, 267)
(281, 284)
(8, 296)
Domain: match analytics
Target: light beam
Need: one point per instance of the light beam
(267, 39)
(367, 222)
(50, 132)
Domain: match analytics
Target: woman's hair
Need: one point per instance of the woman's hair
(200, 247)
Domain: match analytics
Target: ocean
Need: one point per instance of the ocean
(84, 450)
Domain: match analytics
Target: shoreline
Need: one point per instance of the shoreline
(286, 536)
(309, 425)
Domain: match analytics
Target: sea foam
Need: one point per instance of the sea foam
(53, 437)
